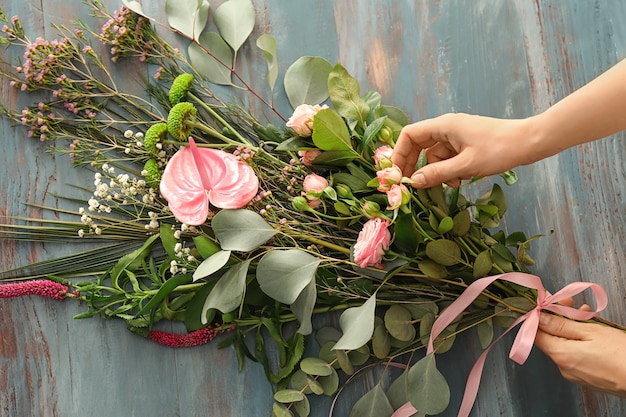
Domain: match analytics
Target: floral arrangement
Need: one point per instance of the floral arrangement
(234, 226)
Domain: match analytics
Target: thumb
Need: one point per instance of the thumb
(562, 327)
(436, 173)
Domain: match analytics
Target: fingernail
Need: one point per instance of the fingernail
(418, 179)
(544, 319)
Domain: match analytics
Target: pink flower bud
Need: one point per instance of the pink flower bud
(382, 157)
(314, 186)
(397, 196)
(307, 157)
(388, 177)
(372, 242)
(301, 121)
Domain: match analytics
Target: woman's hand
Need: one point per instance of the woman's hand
(587, 353)
(461, 146)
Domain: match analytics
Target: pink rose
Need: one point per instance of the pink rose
(372, 243)
(397, 196)
(301, 121)
(382, 157)
(195, 177)
(314, 186)
(388, 177)
(307, 157)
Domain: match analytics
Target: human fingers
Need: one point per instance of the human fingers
(562, 327)
(412, 140)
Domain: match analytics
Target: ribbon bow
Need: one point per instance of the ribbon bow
(530, 321)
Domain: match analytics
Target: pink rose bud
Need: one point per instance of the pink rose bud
(388, 177)
(372, 242)
(301, 121)
(397, 196)
(307, 157)
(371, 209)
(314, 186)
(382, 157)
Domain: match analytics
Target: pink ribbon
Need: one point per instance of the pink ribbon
(530, 321)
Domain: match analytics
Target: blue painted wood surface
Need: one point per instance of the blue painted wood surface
(499, 58)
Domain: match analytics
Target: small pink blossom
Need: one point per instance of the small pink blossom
(195, 338)
(314, 185)
(397, 196)
(388, 177)
(307, 157)
(195, 177)
(382, 157)
(372, 242)
(42, 288)
(301, 121)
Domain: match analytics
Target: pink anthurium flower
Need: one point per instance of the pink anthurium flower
(195, 177)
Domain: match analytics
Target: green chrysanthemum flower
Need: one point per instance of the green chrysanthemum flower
(180, 87)
(155, 134)
(153, 175)
(178, 120)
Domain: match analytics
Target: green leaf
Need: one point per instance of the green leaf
(485, 332)
(335, 158)
(445, 225)
(357, 325)
(303, 408)
(287, 396)
(211, 264)
(406, 235)
(510, 177)
(206, 246)
(235, 20)
(381, 342)
(168, 240)
(228, 293)
(398, 323)
(241, 230)
(267, 44)
(443, 251)
(372, 130)
(169, 286)
(345, 95)
(133, 260)
(280, 410)
(330, 132)
(398, 391)
(284, 274)
(355, 184)
(482, 264)
(503, 252)
(214, 66)
(427, 388)
(303, 307)
(373, 404)
(315, 366)
(329, 383)
(432, 269)
(135, 6)
(306, 81)
(187, 16)
(193, 312)
(462, 223)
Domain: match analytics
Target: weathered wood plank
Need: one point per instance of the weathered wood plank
(505, 59)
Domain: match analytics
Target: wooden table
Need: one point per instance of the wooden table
(499, 58)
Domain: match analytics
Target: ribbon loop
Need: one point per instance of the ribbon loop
(525, 338)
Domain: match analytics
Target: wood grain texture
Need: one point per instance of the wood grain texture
(504, 59)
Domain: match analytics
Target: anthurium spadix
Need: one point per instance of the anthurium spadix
(195, 177)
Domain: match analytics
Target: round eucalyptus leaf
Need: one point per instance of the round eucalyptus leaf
(315, 366)
(303, 408)
(235, 20)
(329, 383)
(326, 334)
(288, 396)
(381, 342)
(426, 324)
(306, 81)
(420, 308)
(432, 269)
(344, 362)
(315, 387)
(427, 388)
(327, 353)
(398, 323)
(298, 381)
(241, 230)
(485, 332)
(359, 356)
(284, 273)
(280, 410)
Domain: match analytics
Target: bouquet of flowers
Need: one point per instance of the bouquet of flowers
(211, 217)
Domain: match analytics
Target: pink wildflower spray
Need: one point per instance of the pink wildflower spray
(42, 288)
(195, 338)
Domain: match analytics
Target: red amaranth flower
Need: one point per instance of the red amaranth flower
(195, 338)
(42, 288)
